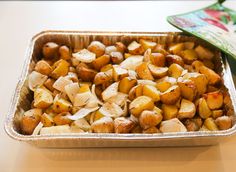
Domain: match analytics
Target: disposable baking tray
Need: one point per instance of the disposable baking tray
(22, 96)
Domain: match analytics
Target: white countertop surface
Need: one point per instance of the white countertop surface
(19, 21)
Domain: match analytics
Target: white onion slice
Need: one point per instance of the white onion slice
(38, 128)
(82, 113)
(85, 56)
(36, 79)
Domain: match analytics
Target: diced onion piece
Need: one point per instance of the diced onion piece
(61, 82)
(82, 113)
(82, 99)
(118, 99)
(111, 110)
(95, 95)
(38, 128)
(36, 79)
(60, 129)
(85, 56)
(110, 91)
(147, 82)
(132, 62)
(71, 91)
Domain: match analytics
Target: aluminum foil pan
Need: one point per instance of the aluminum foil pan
(22, 96)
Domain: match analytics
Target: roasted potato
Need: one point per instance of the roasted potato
(60, 68)
(165, 83)
(224, 122)
(116, 57)
(126, 84)
(158, 72)
(50, 50)
(123, 125)
(175, 70)
(169, 111)
(43, 67)
(160, 48)
(61, 105)
(151, 92)
(212, 76)
(49, 84)
(151, 130)
(214, 99)
(120, 47)
(85, 74)
(135, 48)
(204, 53)
(189, 56)
(144, 72)
(187, 109)
(217, 113)
(30, 120)
(210, 124)
(189, 45)
(119, 73)
(171, 95)
(101, 61)
(102, 77)
(191, 125)
(42, 98)
(149, 119)
(97, 48)
(203, 109)
(176, 48)
(64, 52)
(188, 89)
(170, 59)
(140, 104)
(103, 125)
(62, 118)
(47, 120)
(147, 44)
(158, 59)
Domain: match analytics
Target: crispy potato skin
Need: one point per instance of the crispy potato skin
(144, 72)
(86, 74)
(97, 48)
(171, 95)
(50, 50)
(123, 125)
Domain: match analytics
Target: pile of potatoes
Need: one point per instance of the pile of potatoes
(142, 87)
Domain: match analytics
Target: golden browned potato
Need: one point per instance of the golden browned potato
(60, 68)
(217, 113)
(176, 48)
(135, 48)
(102, 77)
(169, 111)
(64, 52)
(189, 45)
(106, 68)
(147, 44)
(158, 59)
(123, 125)
(151, 92)
(147, 55)
(86, 74)
(116, 57)
(120, 47)
(49, 84)
(47, 120)
(158, 72)
(140, 104)
(50, 50)
(97, 48)
(199, 80)
(175, 70)
(149, 119)
(209, 64)
(204, 53)
(137, 129)
(187, 109)
(172, 125)
(101, 61)
(160, 48)
(189, 56)
(103, 125)
(119, 73)
(42, 98)
(151, 130)
(171, 95)
(144, 72)
(211, 75)
(224, 122)
(43, 67)
(210, 124)
(188, 89)
(110, 49)
(165, 83)
(30, 120)
(171, 58)
(203, 109)
(126, 84)
(62, 119)
(214, 99)
(61, 105)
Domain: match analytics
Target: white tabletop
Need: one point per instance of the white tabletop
(19, 21)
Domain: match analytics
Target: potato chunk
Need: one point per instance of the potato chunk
(101, 61)
(151, 92)
(211, 75)
(151, 130)
(149, 119)
(62, 118)
(214, 99)
(50, 50)
(144, 72)
(187, 109)
(126, 84)
(165, 83)
(189, 56)
(158, 59)
(103, 125)
(135, 48)
(176, 48)
(123, 125)
(172, 125)
(42, 98)
(60, 68)
(171, 95)
(103, 77)
(170, 59)
(204, 53)
(224, 122)
(116, 57)
(210, 124)
(120, 47)
(188, 89)
(119, 73)
(175, 70)
(140, 104)
(30, 120)
(158, 72)
(61, 105)
(97, 48)
(47, 120)
(85, 74)
(43, 67)
(203, 109)
(147, 44)
(169, 111)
